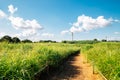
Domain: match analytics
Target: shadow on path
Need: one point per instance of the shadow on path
(64, 72)
(67, 70)
(73, 68)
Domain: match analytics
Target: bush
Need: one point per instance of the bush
(15, 40)
(26, 41)
(6, 38)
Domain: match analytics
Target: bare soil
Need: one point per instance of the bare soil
(75, 69)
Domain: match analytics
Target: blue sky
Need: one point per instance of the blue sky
(52, 17)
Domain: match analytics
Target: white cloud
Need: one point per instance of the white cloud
(76, 29)
(20, 23)
(26, 33)
(2, 34)
(12, 9)
(86, 23)
(116, 32)
(2, 14)
(47, 35)
(28, 27)
(64, 32)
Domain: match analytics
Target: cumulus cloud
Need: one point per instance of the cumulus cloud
(47, 35)
(86, 23)
(28, 27)
(26, 33)
(76, 29)
(12, 9)
(20, 23)
(2, 14)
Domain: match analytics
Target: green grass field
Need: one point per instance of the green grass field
(23, 61)
(106, 57)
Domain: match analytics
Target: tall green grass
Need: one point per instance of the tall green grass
(106, 57)
(23, 61)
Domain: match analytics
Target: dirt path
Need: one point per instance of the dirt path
(76, 69)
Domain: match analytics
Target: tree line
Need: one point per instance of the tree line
(9, 39)
(88, 41)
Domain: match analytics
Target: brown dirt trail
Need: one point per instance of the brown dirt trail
(76, 69)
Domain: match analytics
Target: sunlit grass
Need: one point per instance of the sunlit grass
(106, 56)
(23, 61)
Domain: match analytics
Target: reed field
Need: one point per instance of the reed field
(105, 57)
(24, 60)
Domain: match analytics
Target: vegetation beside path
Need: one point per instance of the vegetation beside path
(24, 61)
(105, 58)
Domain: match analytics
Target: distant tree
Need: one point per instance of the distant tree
(64, 41)
(15, 40)
(47, 41)
(54, 41)
(6, 38)
(95, 40)
(104, 40)
(0, 40)
(26, 41)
